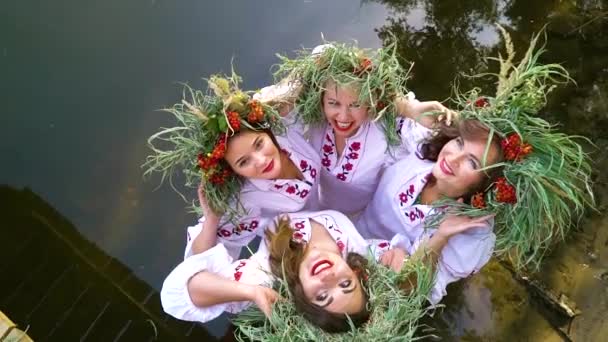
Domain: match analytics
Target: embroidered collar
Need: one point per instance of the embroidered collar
(302, 229)
(295, 189)
(344, 168)
(408, 197)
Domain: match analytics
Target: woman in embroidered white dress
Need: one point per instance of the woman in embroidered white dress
(447, 166)
(356, 118)
(247, 172)
(320, 255)
(279, 176)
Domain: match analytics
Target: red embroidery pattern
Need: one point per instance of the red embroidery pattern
(307, 168)
(237, 273)
(349, 156)
(340, 245)
(407, 195)
(383, 244)
(329, 148)
(415, 214)
(299, 234)
(237, 230)
(293, 189)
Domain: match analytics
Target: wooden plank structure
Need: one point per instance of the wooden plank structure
(61, 287)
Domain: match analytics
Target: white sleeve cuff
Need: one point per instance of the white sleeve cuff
(174, 295)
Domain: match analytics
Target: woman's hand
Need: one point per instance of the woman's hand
(414, 109)
(394, 258)
(455, 224)
(208, 213)
(264, 297)
(281, 96)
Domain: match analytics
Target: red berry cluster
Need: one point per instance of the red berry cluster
(234, 120)
(505, 192)
(481, 102)
(477, 201)
(256, 114)
(219, 177)
(365, 64)
(210, 162)
(380, 105)
(206, 163)
(513, 148)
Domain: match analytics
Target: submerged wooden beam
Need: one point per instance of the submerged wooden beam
(560, 305)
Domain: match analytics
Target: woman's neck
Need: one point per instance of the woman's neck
(340, 144)
(320, 238)
(289, 170)
(429, 194)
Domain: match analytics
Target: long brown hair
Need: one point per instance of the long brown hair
(470, 129)
(286, 256)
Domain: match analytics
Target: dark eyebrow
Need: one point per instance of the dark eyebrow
(350, 290)
(255, 141)
(329, 301)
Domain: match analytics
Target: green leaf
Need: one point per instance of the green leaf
(222, 124)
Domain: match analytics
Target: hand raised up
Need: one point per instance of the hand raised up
(456, 224)
(208, 213)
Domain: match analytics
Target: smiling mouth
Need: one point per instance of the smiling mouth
(269, 167)
(321, 266)
(445, 167)
(343, 126)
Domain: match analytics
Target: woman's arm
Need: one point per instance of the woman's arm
(430, 250)
(207, 289)
(416, 110)
(208, 236)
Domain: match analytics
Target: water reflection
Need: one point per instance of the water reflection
(81, 81)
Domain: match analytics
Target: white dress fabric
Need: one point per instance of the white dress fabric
(256, 270)
(264, 199)
(393, 211)
(348, 182)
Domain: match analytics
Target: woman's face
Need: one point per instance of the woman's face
(457, 170)
(343, 110)
(330, 283)
(252, 154)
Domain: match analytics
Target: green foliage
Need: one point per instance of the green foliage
(200, 120)
(394, 313)
(346, 64)
(552, 183)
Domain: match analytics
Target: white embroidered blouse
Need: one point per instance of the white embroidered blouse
(393, 210)
(349, 181)
(176, 300)
(264, 199)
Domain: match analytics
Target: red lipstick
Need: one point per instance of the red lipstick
(269, 167)
(321, 266)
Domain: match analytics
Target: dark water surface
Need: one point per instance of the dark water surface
(80, 82)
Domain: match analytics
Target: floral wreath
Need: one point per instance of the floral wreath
(205, 122)
(377, 74)
(394, 313)
(545, 180)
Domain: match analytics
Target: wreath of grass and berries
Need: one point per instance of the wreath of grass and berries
(377, 74)
(197, 143)
(395, 313)
(545, 185)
